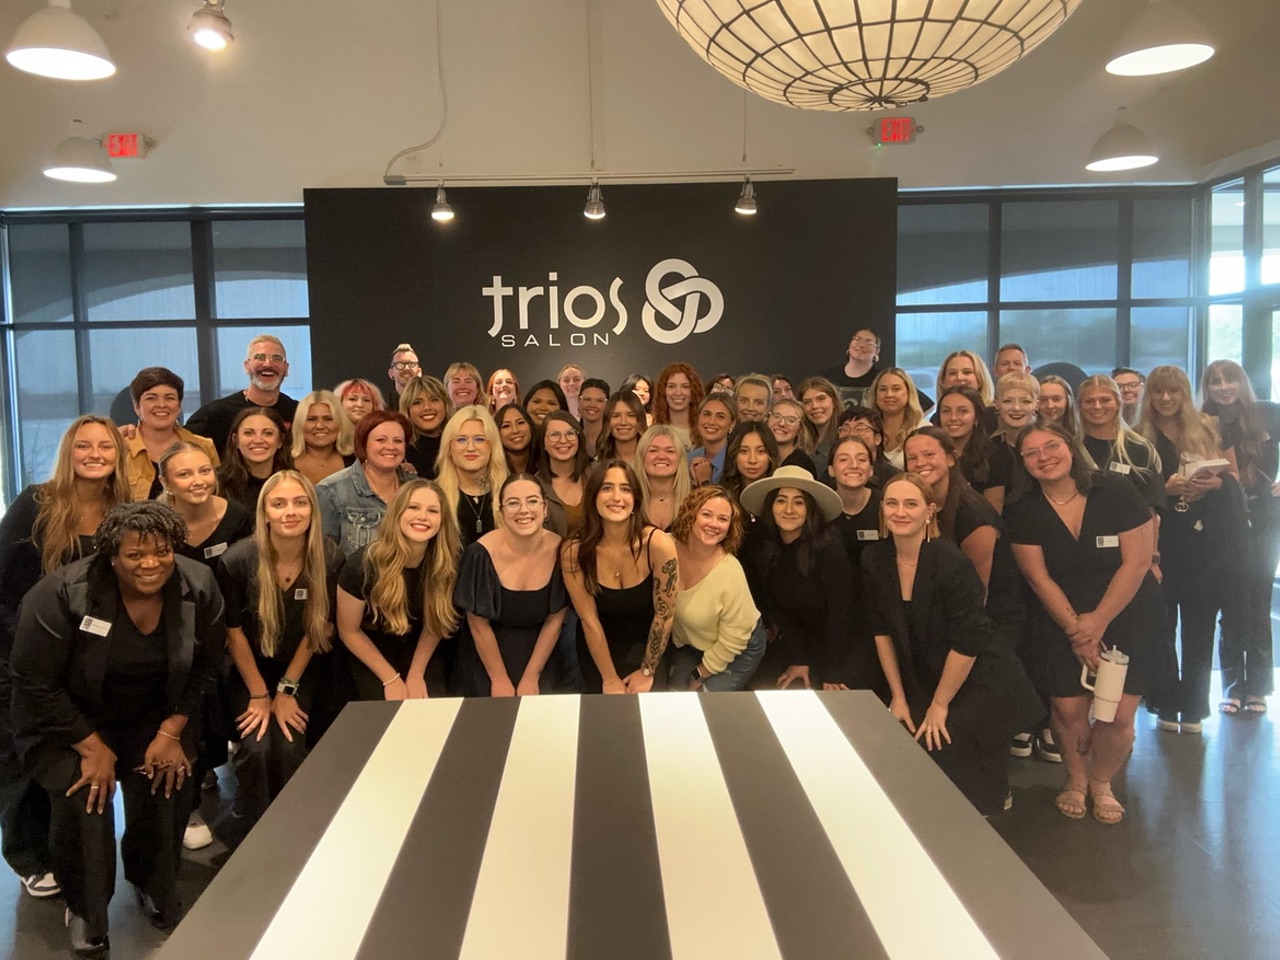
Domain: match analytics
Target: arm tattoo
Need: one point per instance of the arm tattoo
(663, 612)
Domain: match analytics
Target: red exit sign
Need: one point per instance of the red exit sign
(895, 130)
(126, 146)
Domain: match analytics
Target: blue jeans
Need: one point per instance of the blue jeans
(733, 677)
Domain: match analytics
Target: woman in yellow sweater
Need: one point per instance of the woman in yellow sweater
(718, 637)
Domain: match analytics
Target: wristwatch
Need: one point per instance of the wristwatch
(696, 676)
(646, 671)
(288, 687)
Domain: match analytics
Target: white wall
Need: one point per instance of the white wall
(323, 92)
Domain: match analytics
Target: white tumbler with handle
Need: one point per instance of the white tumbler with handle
(1108, 684)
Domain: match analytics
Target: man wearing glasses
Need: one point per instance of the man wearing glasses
(853, 380)
(404, 367)
(1131, 384)
(267, 365)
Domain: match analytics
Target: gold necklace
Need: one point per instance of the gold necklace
(1062, 503)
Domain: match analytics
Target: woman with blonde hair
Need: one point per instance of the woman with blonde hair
(464, 383)
(425, 404)
(214, 523)
(964, 368)
(1115, 446)
(1057, 404)
(323, 436)
(470, 470)
(662, 463)
(48, 525)
(570, 379)
(395, 598)
(358, 397)
(822, 405)
(893, 393)
(278, 587)
(1200, 538)
(796, 436)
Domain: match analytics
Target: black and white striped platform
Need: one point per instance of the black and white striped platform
(791, 825)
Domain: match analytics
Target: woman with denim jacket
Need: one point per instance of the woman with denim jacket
(353, 501)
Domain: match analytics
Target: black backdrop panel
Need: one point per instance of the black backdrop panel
(521, 279)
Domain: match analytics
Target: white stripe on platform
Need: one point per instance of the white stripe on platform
(326, 913)
(914, 910)
(714, 904)
(521, 902)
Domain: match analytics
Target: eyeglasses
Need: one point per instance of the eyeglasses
(786, 421)
(1050, 448)
(264, 357)
(855, 426)
(865, 341)
(479, 441)
(560, 436)
(514, 504)
(406, 365)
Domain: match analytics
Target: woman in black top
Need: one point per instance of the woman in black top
(257, 447)
(470, 468)
(278, 589)
(48, 525)
(1115, 446)
(511, 590)
(954, 682)
(112, 658)
(395, 597)
(1201, 535)
(866, 423)
(751, 454)
(1251, 431)
(516, 431)
(858, 527)
(987, 465)
(623, 577)
(1083, 541)
(799, 576)
(425, 402)
(213, 522)
(543, 397)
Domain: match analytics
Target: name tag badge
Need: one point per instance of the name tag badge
(300, 593)
(868, 534)
(217, 550)
(99, 628)
(1118, 467)
(1105, 542)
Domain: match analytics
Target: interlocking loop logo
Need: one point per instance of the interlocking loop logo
(693, 289)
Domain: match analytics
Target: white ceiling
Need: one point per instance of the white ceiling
(324, 92)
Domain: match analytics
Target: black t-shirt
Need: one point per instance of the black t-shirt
(422, 454)
(238, 578)
(853, 390)
(1139, 471)
(213, 420)
(354, 581)
(235, 525)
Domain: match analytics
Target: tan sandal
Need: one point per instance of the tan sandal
(1071, 801)
(1106, 808)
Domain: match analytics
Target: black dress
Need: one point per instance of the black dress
(515, 616)
(626, 616)
(860, 668)
(1140, 469)
(397, 648)
(236, 524)
(1083, 568)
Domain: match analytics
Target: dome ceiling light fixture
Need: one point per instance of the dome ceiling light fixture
(210, 26)
(57, 42)
(78, 159)
(844, 55)
(1123, 147)
(1165, 38)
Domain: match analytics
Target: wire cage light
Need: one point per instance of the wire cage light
(862, 54)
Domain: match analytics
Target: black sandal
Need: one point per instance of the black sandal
(1230, 707)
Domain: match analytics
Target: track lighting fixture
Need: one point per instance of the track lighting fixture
(594, 210)
(441, 211)
(210, 27)
(747, 199)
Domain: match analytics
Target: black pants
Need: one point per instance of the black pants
(980, 771)
(84, 844)
(24, 805)
(1196, 591)
(1245, 649)
(264, 766)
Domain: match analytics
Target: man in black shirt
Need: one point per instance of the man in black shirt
(853, 380)
(267, 365)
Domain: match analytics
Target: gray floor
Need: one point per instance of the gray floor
(1190, 874)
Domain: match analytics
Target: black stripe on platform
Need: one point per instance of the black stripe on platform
(616, 904)
(1013, 909)
(425, 905)
(254, 883)
(815, 912)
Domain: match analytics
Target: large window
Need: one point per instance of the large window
(1095, 279)
(97, 297)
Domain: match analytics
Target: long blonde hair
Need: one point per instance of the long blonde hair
(345, 443)
(54, 529)
(912, 415)
(315, 611)
(447, 472)
(1193, 433)
(985, 386)
(1125, 434)
(683, 482)
(387, 556)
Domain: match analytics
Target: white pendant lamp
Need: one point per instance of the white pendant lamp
(441, 210)
(210, 26)
(1165, 38)
(78, 159)
(1123, 147)
(56, 42)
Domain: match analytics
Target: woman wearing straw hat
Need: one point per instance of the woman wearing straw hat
(799, 576)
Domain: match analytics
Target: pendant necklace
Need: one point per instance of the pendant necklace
(1063, 503)
(475, 503)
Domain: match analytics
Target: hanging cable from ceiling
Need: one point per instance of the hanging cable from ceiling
(444, 99)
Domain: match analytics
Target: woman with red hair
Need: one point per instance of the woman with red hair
(676, 398)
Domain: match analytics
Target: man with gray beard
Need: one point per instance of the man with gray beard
(267, 365)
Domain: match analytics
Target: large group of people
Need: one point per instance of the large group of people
(175, 588)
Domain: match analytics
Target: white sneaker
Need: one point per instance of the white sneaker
(1021, 745)
(41, 885)
(197, 836)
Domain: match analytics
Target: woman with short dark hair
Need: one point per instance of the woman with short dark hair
(112, 658)
(543, 397)
(157, 394)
